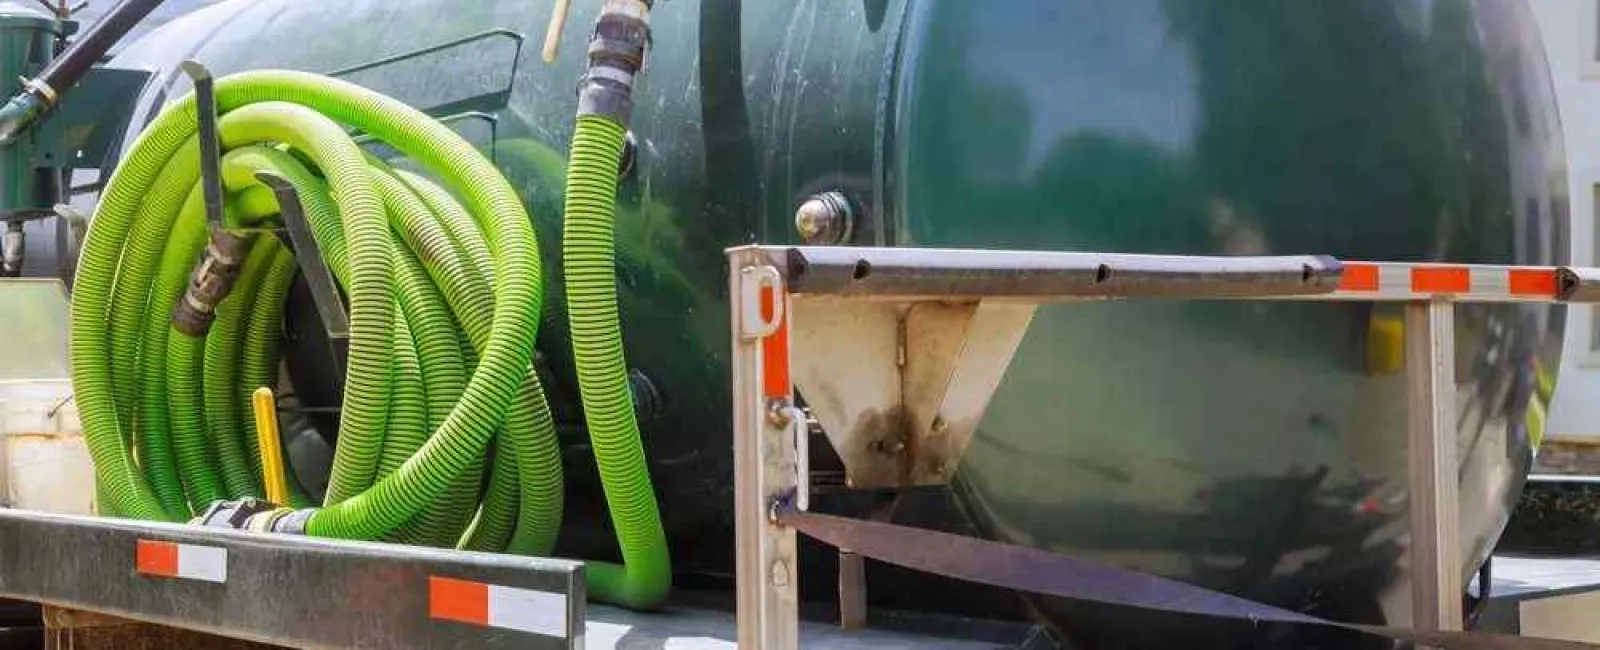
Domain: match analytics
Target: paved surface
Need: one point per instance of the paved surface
(611, 628)
(1519, 578)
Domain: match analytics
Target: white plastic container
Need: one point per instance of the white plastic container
(44, 463)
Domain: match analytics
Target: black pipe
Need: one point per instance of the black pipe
(70, 66)
(40, 94)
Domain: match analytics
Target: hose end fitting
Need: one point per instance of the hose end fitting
(24, 109)
(211, 281)
(616, 53)
(291, 522)
(255, 515)
(235, 514)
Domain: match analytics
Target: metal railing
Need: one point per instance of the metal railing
(929, 333)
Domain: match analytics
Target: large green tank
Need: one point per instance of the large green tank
(1254, 448)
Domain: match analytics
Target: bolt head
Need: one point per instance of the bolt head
(823, 219)
(780, 573)
(779, 413)
(812, 219)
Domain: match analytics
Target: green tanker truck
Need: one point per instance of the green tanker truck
(534, 358)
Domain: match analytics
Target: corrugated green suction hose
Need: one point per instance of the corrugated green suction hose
(401, 469)
(444, 289)
(588, 262)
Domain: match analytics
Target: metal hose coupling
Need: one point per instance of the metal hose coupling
(26, 107)
(256, 515)
(616, 53)
(281, 520)
(211, 281)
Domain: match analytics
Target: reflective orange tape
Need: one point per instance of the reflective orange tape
(1532, 282)
(156, 558)
(1359, 277)
(462, 601)
(187, 561)
(1441, 279)
(512, 608)
(775, 349)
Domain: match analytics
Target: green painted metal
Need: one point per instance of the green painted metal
(83, 130)
(1246, 447)
(77, 135)
(27, 39)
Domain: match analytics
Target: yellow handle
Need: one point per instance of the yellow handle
(552, 32)
(266, 410)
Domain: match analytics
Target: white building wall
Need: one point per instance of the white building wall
(1569, 28)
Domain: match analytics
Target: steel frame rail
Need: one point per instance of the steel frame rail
(293, 591)
(766, 283)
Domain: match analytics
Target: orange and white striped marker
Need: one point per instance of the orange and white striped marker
(184, 561)
(477, 603)
(1399, 281)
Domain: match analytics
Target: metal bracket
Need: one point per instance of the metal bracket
(1436, 585)
(324, 291)
(924, 335)
(491, 119)
(486, 102)
(899, 388)
(210, 145)
(767, 431)
(79, 134)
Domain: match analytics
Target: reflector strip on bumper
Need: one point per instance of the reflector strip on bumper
(187, 561)
(1463, 281)
(477, 603)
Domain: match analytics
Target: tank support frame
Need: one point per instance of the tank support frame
(900, 349)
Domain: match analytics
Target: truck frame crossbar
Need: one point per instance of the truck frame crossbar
(288, 590)
(926, 335)
(944, 274)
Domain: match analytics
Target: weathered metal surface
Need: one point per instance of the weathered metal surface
(318, 278)
(1061, 276)
(768, 456)
(1435, 508)
(1579, 284)
(286, 590)
(897, 388)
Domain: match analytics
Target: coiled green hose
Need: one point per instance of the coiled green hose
(405, 468)
(444, 291)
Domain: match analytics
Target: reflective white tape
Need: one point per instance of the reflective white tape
(188, 561)
(524, 610)
(527, 610)
(207, 563)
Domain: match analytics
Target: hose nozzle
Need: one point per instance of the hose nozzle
(212, 281)
(24, 109)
